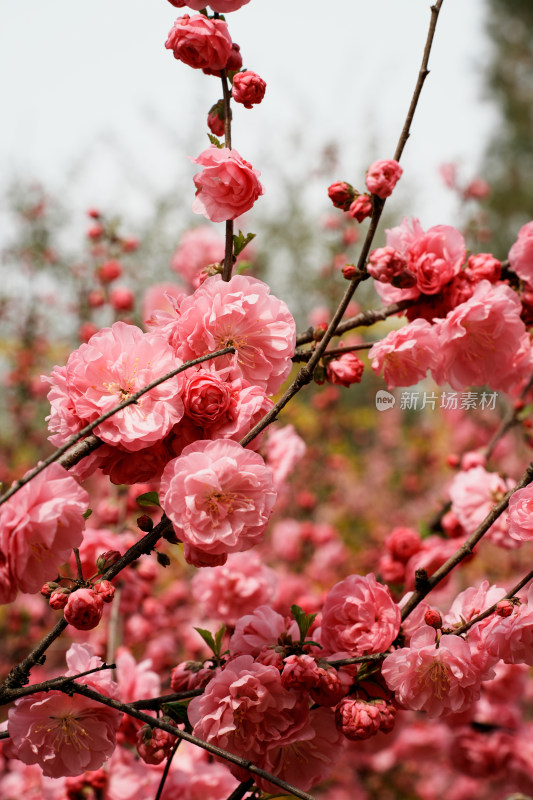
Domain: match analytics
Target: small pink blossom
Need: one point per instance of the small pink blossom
(357, 719)
(283, 449)
(227, 187)
(436, 679)
(386, 263)
(403, 543)
(248, 88)
(206, 398)
(237, 588)
(473, 494)
(154, 744)
(360, 208)
(479, 342)
(341, 194)
(241, 313)
(436, 257)
(113, 365)
(200, 42)
(39, 526)
(511, 638)
(405, 355)
(160, 297)
(245, 709)
(382, 177)
(218, 496)
(359, 617)
(483, 266)
(65, 735)
(345, 370)
(259, 630)
(520, 512)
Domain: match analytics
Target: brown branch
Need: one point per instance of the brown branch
(305, 355)
(8, 695)
(155, 703)
(466, 549)
(19, 675)
(422, 75)
(364, 318)
(228, 251)
(86, 691)
(92, 425)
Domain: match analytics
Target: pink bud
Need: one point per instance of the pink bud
(95, 232)
(356, 719)
(341, 194)
(107, 559)
(59, 598)
(105, 590)
(95, 298)
(48, 588)
(93, 213)
(130, 244)
(361, 208)
(109, 270)
(382, 177)
(84, 609)
(248, 88)
(215, 119)
(122, 299)
(154, 744)
(433, 618)
(504, 608)
(86, 330)
(349, 271)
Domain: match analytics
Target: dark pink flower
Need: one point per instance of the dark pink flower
(382, 177)
(248, 88)
(200, 42)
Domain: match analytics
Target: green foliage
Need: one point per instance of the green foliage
(148, 499)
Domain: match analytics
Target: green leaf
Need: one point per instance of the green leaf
(240, 241)
(304, 620)
(218, 639)
(207, 636)
(87, 514)
(148, 499)
(213, 139)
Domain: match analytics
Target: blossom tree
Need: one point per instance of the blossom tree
(186, 417)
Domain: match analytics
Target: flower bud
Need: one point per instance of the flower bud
(349, 271)
(109, 271)
(341, 194)
(215, 119)
(361, 208)
(84, 609)
(105, 590)
(357, 719)
(145, 523)
(59, 598)
(48, 588)
(504, 608)
(433, 618)
(154, 744)
(107, 559)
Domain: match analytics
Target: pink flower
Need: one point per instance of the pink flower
(121, 298)
(237, 588)
(245, 709)
(360, 208)
(341, 194)
(436, 257)
(218, 496)
(511, 638)
(480, 340)
(159, 297)
(248, 88)
(222, 6)
(359, 617)
(382, 177)
(154, 745)
(215, 119)
(65, 735)
(483, 266)
(403, 543)
(436, 679)
(473, 494)
(39, 526)
(241, 313)
(345, 369)
(113, 365)
(283, 449)
(521, 254)
(521, 515)
(227, 187)
(359, 720)
(259, 630)
(197, 249)
(309, 759)
(84, 609)
(406, 355)
(386, 263)
(200, 42)
(206, 398)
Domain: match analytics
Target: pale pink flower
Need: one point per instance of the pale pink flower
(386, 263)
(160, 297)
(308, 760)
(521, 254)
(113, 365)
(404, 236)
(39, 526)
(436, 679)
(237, 588)
(248, 88)
(245, 709)
(511, 638)
(382, 177)
(200, 42)
(198, 248)
(206, 398)
(436, 257)
(520, 514)
(227, 187)
(478, 340)
(241, 313)
(405, 355)
(283, 449)
(483, 266)
(64, 735)
(359, 617)
(218, 496)
(473, 494)
(263, 628)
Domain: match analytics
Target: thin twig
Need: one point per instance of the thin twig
(164, 776)
(241, 790)
(466, 548)
(364, 318)
(305, 355)
(92, 425)
(8, 695)
(488, 611)
(228, 250)
(87, 691)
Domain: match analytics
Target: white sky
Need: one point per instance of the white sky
(97, 109)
